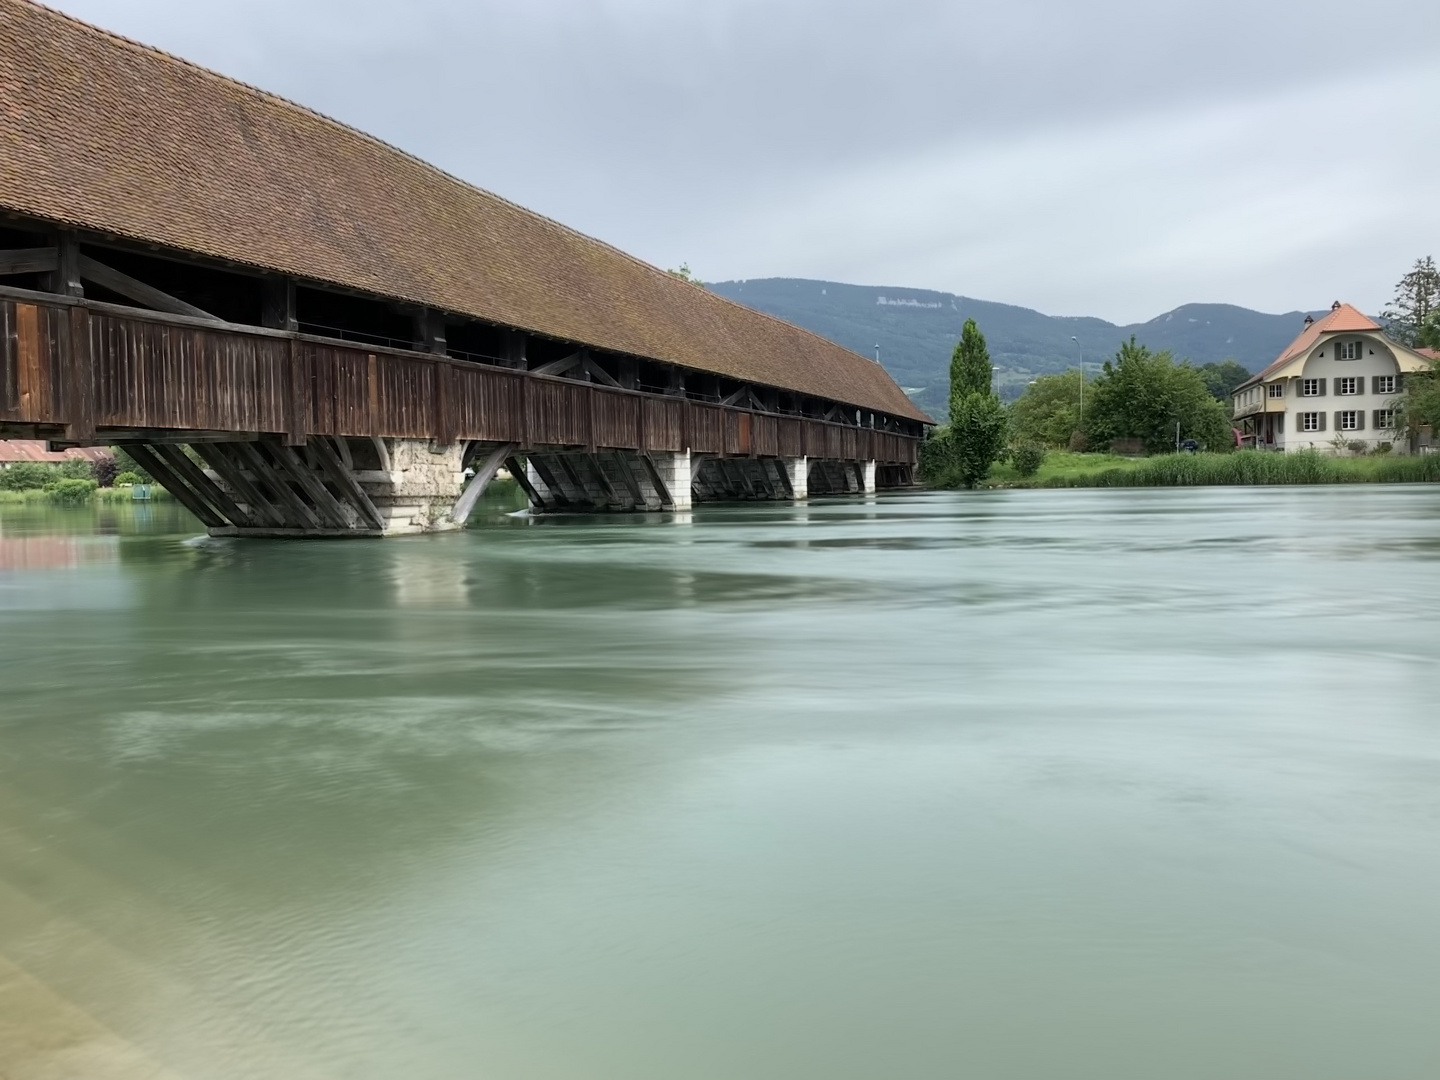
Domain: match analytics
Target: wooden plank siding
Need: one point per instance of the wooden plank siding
(153, 371)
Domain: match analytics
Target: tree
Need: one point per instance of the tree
(1144, 395)
(1048, 412)
(1412, 313)
(1420, 405)
(977, 436)
(1221, 379)
(977, 419)
(684, 274)
(969, 366)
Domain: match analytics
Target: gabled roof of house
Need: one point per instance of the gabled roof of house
(102, 133)
(1343, 318)
(1429, 354)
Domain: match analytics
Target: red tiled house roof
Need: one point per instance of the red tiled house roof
(15, 450)
(1343, 318)
(105, 134)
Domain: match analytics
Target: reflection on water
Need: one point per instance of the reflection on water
(1011, 784)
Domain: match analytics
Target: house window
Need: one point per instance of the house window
(1312, 421)
(1384, 384)
(1384, 419)
(1312, 387)
(1349, 420)
(1349, 350)
(1277, 389)
(1350, 384)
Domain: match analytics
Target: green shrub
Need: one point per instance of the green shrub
(1027, 458)
(75, 469)
(128, 479)
(106, 469)
(26, 476)
(71, 491)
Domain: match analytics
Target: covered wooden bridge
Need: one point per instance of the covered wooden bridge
(300, 330)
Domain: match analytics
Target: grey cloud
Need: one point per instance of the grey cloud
(712, 132)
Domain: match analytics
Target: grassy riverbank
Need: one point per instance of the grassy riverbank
(1243, 467)
(99, 495)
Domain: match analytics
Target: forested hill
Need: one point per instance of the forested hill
(916, 331)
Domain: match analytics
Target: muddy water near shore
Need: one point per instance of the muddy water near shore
(1033, 784)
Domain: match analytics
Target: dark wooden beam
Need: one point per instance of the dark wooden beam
(559, 367)
(67, 268)
(172, 483)
(206, 488)
(29, 260)
(465, 505)
(515, 341)
(278, 305)
(326, 505)
(666, 499)
(542, 469)
(265, 472)
(636, 495)
(345, 480)
(138, 291)
(517, 469)
(218, 457)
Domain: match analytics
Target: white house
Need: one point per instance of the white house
(1341, 376)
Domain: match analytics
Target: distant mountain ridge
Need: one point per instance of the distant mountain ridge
(916, 330)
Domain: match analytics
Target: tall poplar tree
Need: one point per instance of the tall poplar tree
(969, 365)
(977, 419)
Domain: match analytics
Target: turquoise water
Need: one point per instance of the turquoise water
(1014, 784)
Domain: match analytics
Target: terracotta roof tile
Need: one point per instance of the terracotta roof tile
(105, 134)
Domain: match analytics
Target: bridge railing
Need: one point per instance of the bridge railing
(89, 365)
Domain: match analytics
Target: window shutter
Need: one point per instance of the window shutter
(1337, 385)
(1399, 381)
(1321, 383)
(1359, 419)
(1375, 384)
(1376, 420)
(1321, 417)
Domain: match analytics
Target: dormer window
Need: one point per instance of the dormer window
(1349, 350)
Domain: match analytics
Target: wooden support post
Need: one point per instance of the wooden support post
(266, 473)
(179, 462)
(67, 264)
(596, 464)
(328, 506)
(542, 468)
(515, 349)
(517, 469)
(636, 495)
(574, 477)
(444, 411)
(262, 511)
(660, 489)
(345, 480)
(172, 483)
(465, 505)
(277, 309)
(524, 412)
(297, 398)
(77, 360)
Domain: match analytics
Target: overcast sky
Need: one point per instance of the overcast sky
(1113, 157)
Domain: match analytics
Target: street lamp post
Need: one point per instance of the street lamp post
(1080, 351)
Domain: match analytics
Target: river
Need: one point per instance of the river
(1018, 784)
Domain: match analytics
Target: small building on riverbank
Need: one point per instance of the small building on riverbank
(1339, 380)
